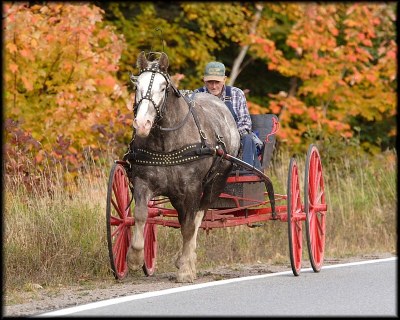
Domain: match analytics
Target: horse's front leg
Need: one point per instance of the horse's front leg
(135, 257)
(186, 263)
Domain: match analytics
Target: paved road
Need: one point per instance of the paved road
(367, 288)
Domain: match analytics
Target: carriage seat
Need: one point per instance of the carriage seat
(263, 125)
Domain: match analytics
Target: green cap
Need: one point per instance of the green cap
(214, 71)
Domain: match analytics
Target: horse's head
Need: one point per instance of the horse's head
(151, 93)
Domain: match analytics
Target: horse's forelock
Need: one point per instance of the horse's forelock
(151, 64)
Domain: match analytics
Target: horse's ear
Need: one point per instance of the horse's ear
(142, 61)
(163, 62)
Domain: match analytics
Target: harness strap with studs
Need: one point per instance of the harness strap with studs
(189, 153)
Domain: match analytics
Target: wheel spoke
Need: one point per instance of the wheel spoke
(150, 249)
(117, 230)
(318, 198)
(121, 247)
(120, 190)
(297, 241)
(117, 208)
(118, 236)
(297, 230)
(318, 247)
(319, 226)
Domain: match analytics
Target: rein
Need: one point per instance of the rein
(190, 104)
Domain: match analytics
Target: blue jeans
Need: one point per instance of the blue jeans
(249, 153)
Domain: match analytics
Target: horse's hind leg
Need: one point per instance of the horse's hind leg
(186, 263)
(135, 257)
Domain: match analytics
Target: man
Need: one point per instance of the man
(214, 82)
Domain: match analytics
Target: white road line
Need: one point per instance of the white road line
(104, 303)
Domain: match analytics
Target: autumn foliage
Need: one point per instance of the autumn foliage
(343, 58)
(61, 89)
(66, 70)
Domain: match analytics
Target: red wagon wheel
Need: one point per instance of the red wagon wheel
(150, 248)
(119, 220)
(315, 208)
(294, 212)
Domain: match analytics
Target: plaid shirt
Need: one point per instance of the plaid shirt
(239, 107)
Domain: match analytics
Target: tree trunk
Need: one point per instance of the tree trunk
(291, 93)
(239, 59)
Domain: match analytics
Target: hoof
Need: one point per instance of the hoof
(135, 259)
(185, 278)
(185, 274)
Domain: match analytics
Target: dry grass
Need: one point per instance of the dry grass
(59, 237)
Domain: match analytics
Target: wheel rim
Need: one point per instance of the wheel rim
(294, 212)
(314, 197)
(118, 214)
(150, 248)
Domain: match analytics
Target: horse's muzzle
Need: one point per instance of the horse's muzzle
(142, 128)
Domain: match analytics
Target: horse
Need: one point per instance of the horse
(172, 154)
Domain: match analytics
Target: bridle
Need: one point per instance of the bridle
(160, 110)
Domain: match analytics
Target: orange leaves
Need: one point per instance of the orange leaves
(295, 106)
(334, 31)
(352, 58)
(336, 83)
(275, 107)
(318, 72)
(371, 78)
(89, 85)
(254, 108)
(391, 54)
(60, 73)
(176, 78)
(313, 114)
(26, 54)
(27, 83)
(13, 67)
(11, 47)
(108, 82)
